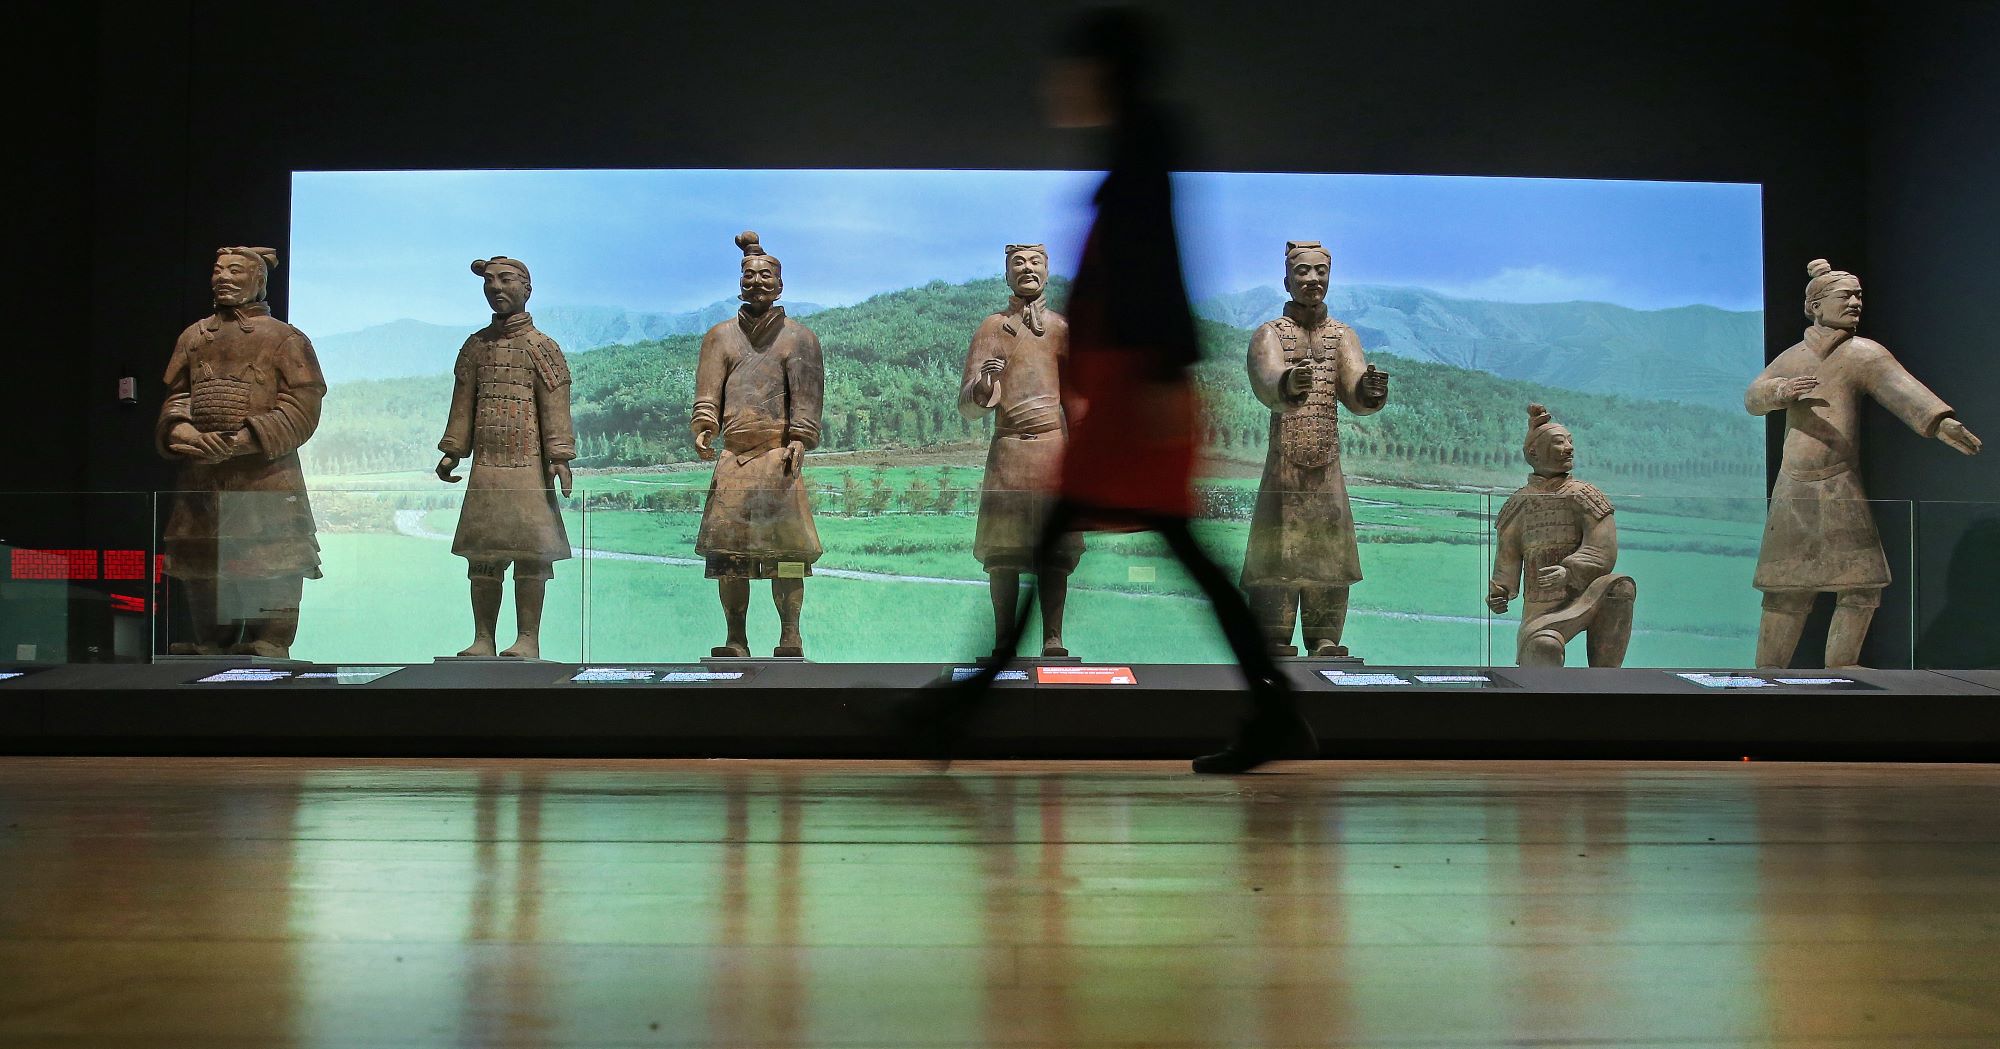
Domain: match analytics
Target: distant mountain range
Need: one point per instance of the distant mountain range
(1693, 354)
(410, 347)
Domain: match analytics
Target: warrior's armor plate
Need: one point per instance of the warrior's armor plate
(505, 430)
(219, 403)
(1308, 433)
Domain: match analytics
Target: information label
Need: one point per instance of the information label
(1062, 675)
(1777, 681)
(968, 673)
(288, 676)
(12, 673)
(691, 674)
(1413, 679)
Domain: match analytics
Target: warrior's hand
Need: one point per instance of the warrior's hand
(445, 467)
(1800, 387)
(795, 456)
(1497, 598)
(1964, 441)
(1374, 386)
(1553, 576)
(703, 435)
(560, 472)
(1298, 379)
(992, 368)
(989, 378)
(208, 448)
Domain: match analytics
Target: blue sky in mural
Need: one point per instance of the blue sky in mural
(372, 247)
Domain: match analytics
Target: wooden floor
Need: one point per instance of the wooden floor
(223, 904)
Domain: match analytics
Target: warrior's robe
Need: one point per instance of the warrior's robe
(510, 415)
(1819, 534)
(760, 381)
(247, 517)
(1302, 532)
(1024, 462)
(1562, 522)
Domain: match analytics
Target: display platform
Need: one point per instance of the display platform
(782, 708)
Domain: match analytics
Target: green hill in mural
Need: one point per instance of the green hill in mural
(893, 368)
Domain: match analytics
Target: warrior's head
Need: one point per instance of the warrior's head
(1833, 297)
(507, 284)
(241, 275)
(1307, 268)
(1549, 449)
(1027, 270)
(763, 274)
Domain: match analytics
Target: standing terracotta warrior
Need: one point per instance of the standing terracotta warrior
(1558, 532)
(1820, 535)
(243, 393)
(1302, 553)
(1014, 367)
(759, 384)
(510, 413)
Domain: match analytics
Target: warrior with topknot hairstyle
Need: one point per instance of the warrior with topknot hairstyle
(1820, 534)
(243, 393)
(758, 386)
(1557, 533)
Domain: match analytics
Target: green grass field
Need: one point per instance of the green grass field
(395, 597)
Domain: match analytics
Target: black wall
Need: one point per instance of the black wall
(172, 127)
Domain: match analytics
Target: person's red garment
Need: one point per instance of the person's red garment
(1131, 434)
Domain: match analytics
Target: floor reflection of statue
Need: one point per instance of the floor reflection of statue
(243, 393)
(1557, 534)
(1820, 534)
(510, 413)
(1014, 368)
(759, 385)
(1302, 555)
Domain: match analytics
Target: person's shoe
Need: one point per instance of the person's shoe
(1262, 738)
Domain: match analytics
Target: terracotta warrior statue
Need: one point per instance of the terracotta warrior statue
(1819, 535)
(1014, 367)
(759, 385)
(1558, 533)
(510, 413)
(243, 393)
(1302, 556)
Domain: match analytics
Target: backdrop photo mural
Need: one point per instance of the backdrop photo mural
(1632, 309)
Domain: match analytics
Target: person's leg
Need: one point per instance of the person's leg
(735, 594)
(790, 597)
(1239, 625)
(1324, 609)
(1778, 632)
(1276, 609)
(1853, 610)
(1054, 585)
(1003, 586)
(531, 587)
(485, 576)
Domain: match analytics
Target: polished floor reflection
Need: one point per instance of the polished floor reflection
(479, 904)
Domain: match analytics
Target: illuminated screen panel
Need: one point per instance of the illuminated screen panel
(1631, 309)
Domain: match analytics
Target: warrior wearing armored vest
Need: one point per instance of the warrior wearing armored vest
(510, 413)
(758, 385)
(1820, 534)
(243, 393)
(1302, 555)
(1557, 534)
(1014, 369)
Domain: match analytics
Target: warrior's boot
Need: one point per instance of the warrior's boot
(1277, 611)
(270, 633)
(1852, 612)
(1778, 631)
(1004, 587)
(1055, 595)
(790, 597)
(735, 594)
(485, 614)
(1324, 611)
(529, 591)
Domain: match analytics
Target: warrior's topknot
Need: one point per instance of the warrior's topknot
(1818, 268)
(749, 242)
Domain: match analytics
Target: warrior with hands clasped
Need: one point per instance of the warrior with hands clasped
(510, 413)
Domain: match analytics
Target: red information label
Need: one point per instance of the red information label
(1060, 675)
